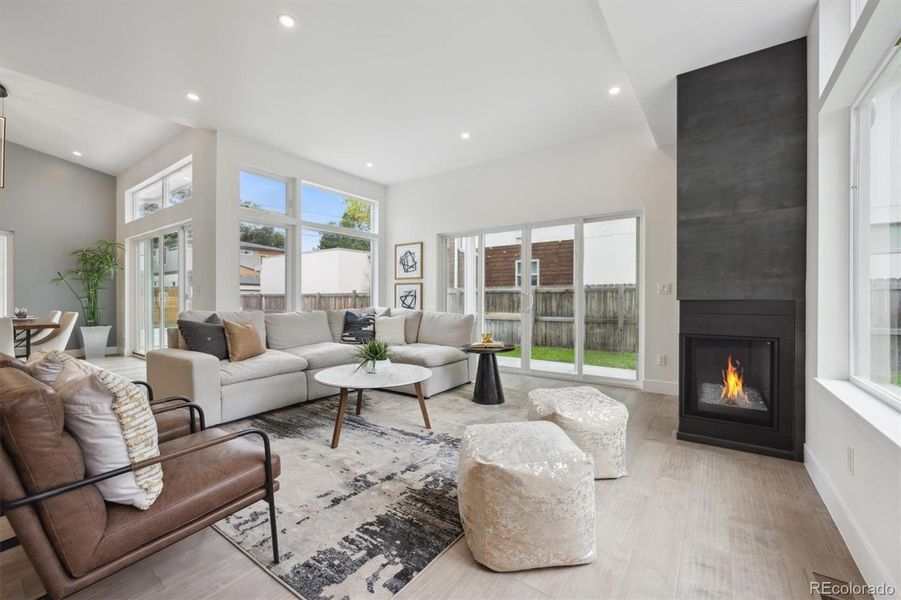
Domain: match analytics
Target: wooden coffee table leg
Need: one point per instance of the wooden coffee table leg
(425, 413)
(359, 402)
(339, 420)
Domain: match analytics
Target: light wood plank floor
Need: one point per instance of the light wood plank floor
(689, 521)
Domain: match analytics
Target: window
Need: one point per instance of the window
(173, 186)
(535, 273)
(263, 268)
(337, 239)
(876, 235)
(264, 193)
(6, 272)
(328, 207)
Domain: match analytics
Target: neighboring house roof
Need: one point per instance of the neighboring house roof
(250, 280)
(252, 246)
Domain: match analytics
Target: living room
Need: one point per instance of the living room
(450, 300)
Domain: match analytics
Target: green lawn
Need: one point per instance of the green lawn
(597, 358)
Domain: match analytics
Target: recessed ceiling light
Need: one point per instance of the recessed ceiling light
(614, 90)
(370, 165)
(286, 21)
(192, 97)
(76, 153)
(465, 135)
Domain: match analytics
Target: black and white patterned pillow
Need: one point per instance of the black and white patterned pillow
(358, 329)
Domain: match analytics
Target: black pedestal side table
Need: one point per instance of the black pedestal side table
(488, 389)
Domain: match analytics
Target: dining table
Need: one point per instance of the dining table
(25, 328)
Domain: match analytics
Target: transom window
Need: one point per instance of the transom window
(262, 192)
(173, 186)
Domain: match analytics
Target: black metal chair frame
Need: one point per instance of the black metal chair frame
(192, 407)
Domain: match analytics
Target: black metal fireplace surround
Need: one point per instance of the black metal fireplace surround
(736, 365)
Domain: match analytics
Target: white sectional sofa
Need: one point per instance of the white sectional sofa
(298, 346)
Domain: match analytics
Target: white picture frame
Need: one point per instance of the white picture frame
(408, 260)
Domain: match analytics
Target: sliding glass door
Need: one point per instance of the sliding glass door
(565, 293)
(161, 285)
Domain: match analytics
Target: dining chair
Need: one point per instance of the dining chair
(42, 334)
(7, 337)
(58, 338)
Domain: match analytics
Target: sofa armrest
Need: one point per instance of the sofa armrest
(195, 375)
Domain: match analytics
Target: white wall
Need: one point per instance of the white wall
(200, 210)
(863, 499)
(621, 171)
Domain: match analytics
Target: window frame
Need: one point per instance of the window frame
(292, 208)
(294, 225)
(160, 178)
(536, 272)
(859, 220)
(7, 294)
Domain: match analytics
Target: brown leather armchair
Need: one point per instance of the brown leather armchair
(71, 535)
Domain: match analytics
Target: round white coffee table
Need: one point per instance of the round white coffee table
(352, 377)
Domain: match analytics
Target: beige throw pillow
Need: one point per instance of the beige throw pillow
(391, 330)
(113, 424)
(45, 365)
(243, 341)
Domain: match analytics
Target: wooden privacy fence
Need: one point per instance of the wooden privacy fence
(276, 302)
(611, 316)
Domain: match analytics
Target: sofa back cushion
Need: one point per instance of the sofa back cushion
(45, 457)
(446, 329)
(290, 330)
(411, 325)
(257, 317)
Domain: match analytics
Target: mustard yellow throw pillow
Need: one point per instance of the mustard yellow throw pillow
(243, 341)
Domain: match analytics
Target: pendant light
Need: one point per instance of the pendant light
(3, 95)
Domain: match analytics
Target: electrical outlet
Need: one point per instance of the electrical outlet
(664, 289)
(851, 460)
(661, 360)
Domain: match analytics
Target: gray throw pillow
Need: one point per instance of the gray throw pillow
(205, 336)
(358, 329)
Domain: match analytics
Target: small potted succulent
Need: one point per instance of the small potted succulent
(374, 356)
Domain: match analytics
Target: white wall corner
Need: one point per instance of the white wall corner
(873, 570)
(656, 386)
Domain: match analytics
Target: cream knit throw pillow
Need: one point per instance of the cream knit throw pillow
(114, 426)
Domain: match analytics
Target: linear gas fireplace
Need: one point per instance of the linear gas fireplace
(737, 374)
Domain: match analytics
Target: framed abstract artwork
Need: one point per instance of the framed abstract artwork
(408, 261)
(408, 295)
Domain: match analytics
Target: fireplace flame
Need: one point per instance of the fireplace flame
(733, 386)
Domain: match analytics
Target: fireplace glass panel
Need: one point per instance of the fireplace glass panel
(732, 378)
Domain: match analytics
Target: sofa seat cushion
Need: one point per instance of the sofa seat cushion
(326, 354)
(197, 483)
(426, 355)
(267, 364)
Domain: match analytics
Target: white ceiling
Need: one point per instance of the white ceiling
(659, 39)
(391, 82)
(58, 121)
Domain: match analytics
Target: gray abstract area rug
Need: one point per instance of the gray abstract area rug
(360, 521)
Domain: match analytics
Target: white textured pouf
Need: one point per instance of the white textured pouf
(526, 496)
(594, 421)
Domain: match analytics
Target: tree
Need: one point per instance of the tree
(264, 235)
(357, 215)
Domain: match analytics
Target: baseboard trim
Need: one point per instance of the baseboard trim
(79, 352)
(872, 569)
(657, 386)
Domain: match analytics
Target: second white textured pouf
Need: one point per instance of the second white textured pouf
(594, 421)
(526, 496)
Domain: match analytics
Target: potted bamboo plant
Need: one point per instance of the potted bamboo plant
(95, 267)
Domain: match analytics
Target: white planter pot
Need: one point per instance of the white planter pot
(376, 366)
(94, 340)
